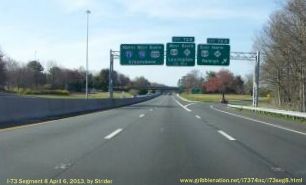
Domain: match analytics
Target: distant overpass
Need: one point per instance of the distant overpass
(157, 88)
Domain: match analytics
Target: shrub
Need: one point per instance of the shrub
(51, 92)
(25, 91)
(143, 91)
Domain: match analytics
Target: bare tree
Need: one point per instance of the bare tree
(283, 40)
(3, 74)
(191, 80)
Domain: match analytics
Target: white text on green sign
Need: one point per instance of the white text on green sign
(212, 54)
(141, 54)
(180, 54)
(182, 39)
(217, 41)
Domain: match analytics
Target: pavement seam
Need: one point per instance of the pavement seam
(271, 165)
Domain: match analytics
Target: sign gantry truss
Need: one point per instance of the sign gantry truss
(249, 56)
(246, 56)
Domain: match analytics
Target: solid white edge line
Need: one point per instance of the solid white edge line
(141, 115)
(197, 116)
(226, 135)
(111, 135)
(262, 122)
(184, 99)
(189, 104)
(181, 105)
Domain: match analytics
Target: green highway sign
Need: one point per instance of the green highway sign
(217, 41)
(182, 39)
(142, 54)
(213, 54)
(180, 54)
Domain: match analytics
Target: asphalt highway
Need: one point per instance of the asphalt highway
(163, 141)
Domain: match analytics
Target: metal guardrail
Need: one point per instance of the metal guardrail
(269, 110)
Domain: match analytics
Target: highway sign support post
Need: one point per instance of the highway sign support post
(256, 80)
(86, 85)
(110, 75)
(251, 56)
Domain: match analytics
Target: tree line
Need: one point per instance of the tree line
(18, 77)
(283, 44)
(222, 81)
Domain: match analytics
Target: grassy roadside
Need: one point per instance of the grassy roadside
(242, 100)
(99, 95)
(232, 98)
(274, 115)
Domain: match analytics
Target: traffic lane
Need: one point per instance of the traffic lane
(168, 144)
(286, 150)
(73, 122)
(42, 147)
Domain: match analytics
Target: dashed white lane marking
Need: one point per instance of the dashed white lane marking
(277, 169)
(226, 135)
(62, 166)
(197, 116)
(141, 115)
(151, 110)
(181, 105)
(262, 122)
(113, 134)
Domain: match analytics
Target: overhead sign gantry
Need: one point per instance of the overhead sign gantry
(181, 52)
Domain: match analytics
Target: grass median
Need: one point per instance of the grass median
(99, 95)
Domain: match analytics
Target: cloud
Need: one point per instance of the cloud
(75, 5)
(197, 9)
(168, 9)
(60, 33)
(99, 8)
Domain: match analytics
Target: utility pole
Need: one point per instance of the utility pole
(110, 74)
(87, 12)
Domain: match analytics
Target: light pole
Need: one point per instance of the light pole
(87, 12)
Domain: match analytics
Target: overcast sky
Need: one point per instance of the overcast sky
(55, 30)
